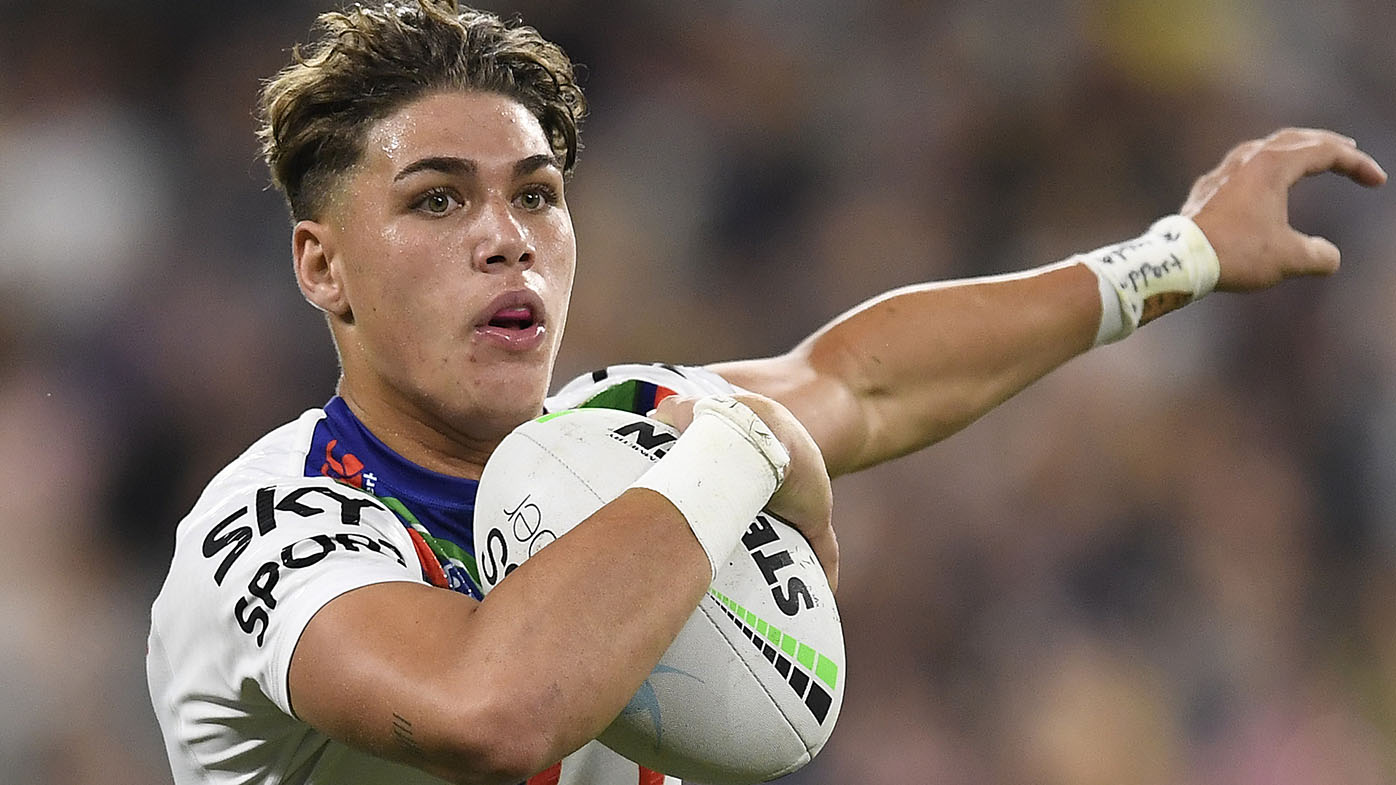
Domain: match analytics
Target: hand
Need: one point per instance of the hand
(805, 499)
(1243, 205)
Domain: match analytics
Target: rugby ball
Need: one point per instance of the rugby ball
(752, 686)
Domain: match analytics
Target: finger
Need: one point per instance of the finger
(823, 541)
(1298, 137)
(1356, 165)
(1316, 152)
(1320, 256)
(1366, 171)
(826, 550)
(676, 410)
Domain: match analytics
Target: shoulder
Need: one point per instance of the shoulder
(266, 491)
(269, 485)
(637, 387)
(278, 455)
(264, 507)
(266, 544)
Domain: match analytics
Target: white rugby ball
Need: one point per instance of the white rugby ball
(752, 686)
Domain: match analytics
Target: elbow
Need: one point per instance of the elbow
(500, 745)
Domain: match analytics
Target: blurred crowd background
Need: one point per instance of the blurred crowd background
(1169, 563)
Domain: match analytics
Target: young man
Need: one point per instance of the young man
(321, 622)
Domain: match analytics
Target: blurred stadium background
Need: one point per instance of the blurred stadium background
(1169, 563)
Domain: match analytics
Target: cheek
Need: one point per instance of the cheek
(561, 246)
(561, 275)
(404, 299)
(406, 271)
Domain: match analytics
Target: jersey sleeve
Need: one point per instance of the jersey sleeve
(270, 558)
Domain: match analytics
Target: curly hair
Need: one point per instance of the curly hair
(368, 62)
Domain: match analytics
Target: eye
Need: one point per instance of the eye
(536, 197)
(437, 201)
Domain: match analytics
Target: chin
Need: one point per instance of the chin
(504, 419)
(506, 401)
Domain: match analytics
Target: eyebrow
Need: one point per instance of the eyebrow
(533, 163)
(449, 164)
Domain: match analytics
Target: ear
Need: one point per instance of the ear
(318, 272)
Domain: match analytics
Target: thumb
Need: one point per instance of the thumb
(1319, 256)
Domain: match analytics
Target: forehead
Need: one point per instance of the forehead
(487, 128)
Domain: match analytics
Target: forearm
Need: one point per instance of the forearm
(927, 361)
(575, 630)
(916, 365)
(496, 690)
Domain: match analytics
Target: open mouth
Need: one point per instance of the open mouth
(514, 318)
(516, 322)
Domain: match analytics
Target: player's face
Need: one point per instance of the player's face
(457, 256)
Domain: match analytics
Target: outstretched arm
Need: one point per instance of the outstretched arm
(915, 365)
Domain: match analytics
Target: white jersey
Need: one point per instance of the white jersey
(292, 523)
(637, 387)
(263, 549)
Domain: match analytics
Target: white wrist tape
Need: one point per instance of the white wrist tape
(1166, 268)
(720, 473)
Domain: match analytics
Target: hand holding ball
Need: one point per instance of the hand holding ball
(751, 687)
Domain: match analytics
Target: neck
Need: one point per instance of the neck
(431, 438)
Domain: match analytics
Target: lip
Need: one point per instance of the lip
(513, 339)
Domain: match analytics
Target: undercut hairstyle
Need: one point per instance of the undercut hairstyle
(369, 62)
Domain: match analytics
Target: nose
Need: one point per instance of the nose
(502, 242)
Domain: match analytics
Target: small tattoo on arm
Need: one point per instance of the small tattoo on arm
(402, 733)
